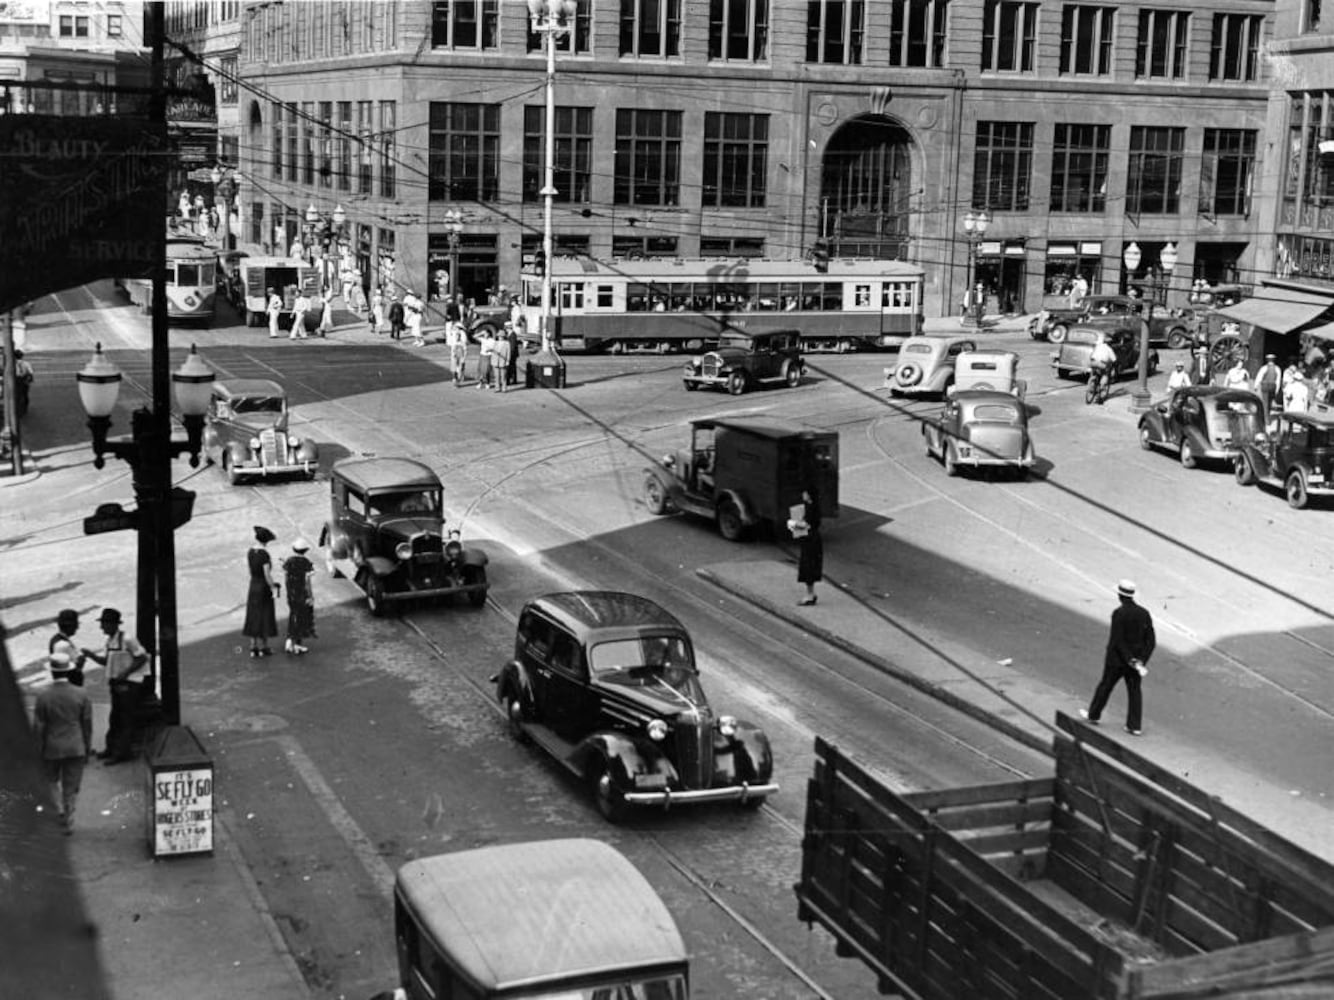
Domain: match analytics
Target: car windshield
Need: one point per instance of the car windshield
(657, 988)
(918, 348)
(1078, 336)
(997, 412)
(737, 340)
(257, 404)
(648, 661)
(406, 502)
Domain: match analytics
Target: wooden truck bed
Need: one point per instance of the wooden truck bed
(1111, 879)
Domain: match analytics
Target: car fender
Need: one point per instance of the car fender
(623, 756)
(752, 758)
(513, 679)
(307, 451)
(747, 511)
(240, 453)
(381, 565)
(1198, 440)
(474, 557)
(336, 541)
(1259, 460)
(1152, 421)
(670, 483)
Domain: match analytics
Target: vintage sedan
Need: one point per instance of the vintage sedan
(386, 530)
(1298, 458)
(743, 361)
(1172, 327)
(1203, 422)
(998, 370)
(1072, 358)
(926, 365)
(246, 432)
(606, 683)
(981, 428)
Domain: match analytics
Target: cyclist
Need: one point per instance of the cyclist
(1101, 363)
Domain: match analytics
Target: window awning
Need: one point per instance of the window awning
(1281, 312)
(1324, 332)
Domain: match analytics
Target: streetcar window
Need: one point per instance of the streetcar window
(861, 295)
(606, 296)
(636, 298)
(766, 298)
(831, 296)
(790, 291)
(897, 295)
(679, 299)
(572, 296)
(187, 274)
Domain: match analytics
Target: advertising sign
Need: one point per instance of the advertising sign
(78, 201)
(182, 811)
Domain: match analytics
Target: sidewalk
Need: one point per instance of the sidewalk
(1017, 704)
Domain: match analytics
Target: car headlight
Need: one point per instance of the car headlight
(403, 550)
(293, 441)
(657, 730)
(727, 725)
(254, 444)
(668, 461)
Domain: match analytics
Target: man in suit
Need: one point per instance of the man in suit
(1129, 647)
(63, 723)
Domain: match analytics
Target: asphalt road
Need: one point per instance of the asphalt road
(384, 744)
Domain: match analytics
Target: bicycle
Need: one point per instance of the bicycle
(1099, 384)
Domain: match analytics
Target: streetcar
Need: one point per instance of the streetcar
(191, 281)
(674, 304)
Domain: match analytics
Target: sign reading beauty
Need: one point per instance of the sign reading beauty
(80, 199)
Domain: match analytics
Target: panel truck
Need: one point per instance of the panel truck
(1111, 880)
(252, 277)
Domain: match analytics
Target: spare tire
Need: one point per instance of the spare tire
(908, 373)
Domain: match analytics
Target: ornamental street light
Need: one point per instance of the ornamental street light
(551, 18)
(454, 229)
(974, 228)
(161, 509)
(325, 235)
(1132, 256)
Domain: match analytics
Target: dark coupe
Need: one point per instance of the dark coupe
(606, 683)
(1203, 422)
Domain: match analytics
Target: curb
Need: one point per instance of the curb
(34, 472)
(957, 702)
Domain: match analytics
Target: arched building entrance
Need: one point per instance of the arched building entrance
(866, 184)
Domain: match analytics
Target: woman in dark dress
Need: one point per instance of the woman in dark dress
(300, 598)
(810, 561)
(260, 621)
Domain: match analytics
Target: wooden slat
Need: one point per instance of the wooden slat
(1001, 791)
(981, 817)
(1245, 966)
(1007, 842)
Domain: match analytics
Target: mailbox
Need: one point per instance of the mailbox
(180, 795)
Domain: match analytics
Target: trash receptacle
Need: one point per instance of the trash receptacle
(546, 370)
(180, 794)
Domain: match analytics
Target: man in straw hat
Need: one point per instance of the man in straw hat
(125, 660)
(63, 724)
(1129, 646)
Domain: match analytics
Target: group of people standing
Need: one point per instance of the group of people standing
(1295, 388)
(302, 306)
(261, 618)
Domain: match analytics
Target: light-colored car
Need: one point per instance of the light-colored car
(996, 370)
(246, 432)
(926, 365)
(981, 428)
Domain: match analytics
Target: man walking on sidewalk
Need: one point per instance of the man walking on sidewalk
(63, 724)
(1129, 646)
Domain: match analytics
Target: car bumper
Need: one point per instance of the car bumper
(265, 471)
(1219, 454)
(718, 380)
(667, 798)
(419, 593)
(980, 460)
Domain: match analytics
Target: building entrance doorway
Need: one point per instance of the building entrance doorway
(866, 183)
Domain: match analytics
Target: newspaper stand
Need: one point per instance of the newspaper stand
(545, 370)
(179, 800)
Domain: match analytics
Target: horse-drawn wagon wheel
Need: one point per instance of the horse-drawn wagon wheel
(1226, 351)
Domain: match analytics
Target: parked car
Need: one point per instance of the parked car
(998, 370)
(1072, 358)
(1171, 327)
(742, 361)
(386, 531)
(981, 428)
(1298, 458)
(744, 472)
(926, 365)
(1203, 422)
(246, 432)
(465, 924)
(606, 683)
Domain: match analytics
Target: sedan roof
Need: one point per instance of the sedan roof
(386, 474)
(583, 611)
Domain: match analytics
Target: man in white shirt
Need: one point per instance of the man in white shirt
(412, 317)
(274, 307)
(299, 309)
(1179, 379)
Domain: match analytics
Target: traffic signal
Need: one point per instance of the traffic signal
(540, 262)
(820, 255)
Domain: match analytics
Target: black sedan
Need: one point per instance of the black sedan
(1203, 422)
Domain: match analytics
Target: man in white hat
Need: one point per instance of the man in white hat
(63, 724)
(1129, 647)
(1178, 379)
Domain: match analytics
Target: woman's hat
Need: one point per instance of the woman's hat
(263, 535)
(300, 545)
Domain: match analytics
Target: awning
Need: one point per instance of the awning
(1324, 332)
(1280, 311)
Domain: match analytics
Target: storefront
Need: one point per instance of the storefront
(1002, 271)
(1066, 260)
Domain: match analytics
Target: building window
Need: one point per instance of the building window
(638, 247)
(276, 140)
(1002, 164)
(293, 142)
(651, 28)
(1153, 178)
(573, 171)
(227, 89)
(834, 31)
(115, 26)
(1079, 168)
(736, 149)
(731, 246)
(648, 158)
(1234, 51)
(1160, 49)
(739, 30)
(1225, 171)
(578, 41)
(326, 144)
(917, 33)
(1305, 173)
(464, 24)
(1311, 16)
(1009, 30)
(388, 155)
(1086, 40)
(308, 142)
(365, 145)
(464, 155)
(343, 145)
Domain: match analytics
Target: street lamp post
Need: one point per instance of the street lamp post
(1141, 398)
(551, 18)
(974, 228)
(325, 235)
(161, 509)
(454, 227)
(224, 187)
